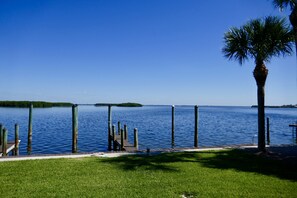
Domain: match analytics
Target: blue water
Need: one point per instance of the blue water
(218, 126)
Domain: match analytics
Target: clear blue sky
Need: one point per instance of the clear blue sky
(146, 51)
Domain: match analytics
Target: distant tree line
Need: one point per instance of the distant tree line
(36, 104)
(282, 106)
(127, 104)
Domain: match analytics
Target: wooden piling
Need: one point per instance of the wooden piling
(126, 132)
(74, 128)
(122, 140)
(119, 127)
(114, 138)
(196, 127)
(268, 131)
(16, 139)
(29, 144)
(4, 142)
(1, 133)
(109, 127)
(172, 125)
(296, 133)
(136, 138)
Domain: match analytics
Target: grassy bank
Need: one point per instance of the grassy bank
(228, 173)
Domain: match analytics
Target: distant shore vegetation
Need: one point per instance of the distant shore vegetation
(282, 106)
(36, 104)
(127, 104)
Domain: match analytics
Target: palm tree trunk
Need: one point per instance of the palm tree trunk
(260, 74)
(261, 117)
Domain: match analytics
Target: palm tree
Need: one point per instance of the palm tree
(293, 16)
(260, 40)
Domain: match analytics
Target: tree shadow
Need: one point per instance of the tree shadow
(228, 159)
(253, 162)
(155, 162)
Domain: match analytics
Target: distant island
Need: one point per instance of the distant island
(36, 104)
(127, 104)
(282, 106)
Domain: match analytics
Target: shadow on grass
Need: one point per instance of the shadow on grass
(247, 162)
(223, 160)
(160, 162)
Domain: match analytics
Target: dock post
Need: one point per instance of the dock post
(172, 126)
(4, 142)
(114, 138)
(295, 133)
(122, 140)
(268, 131)
(196, 127)
(109, 127)
(1, 133)
(136, 138)
(74, 128)
(29, 145)
(16, 139)
(126, 132)
(119, 127)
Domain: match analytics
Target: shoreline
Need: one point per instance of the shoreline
(280, 152)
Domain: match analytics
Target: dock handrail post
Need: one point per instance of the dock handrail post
(172, 125)
(114, 138)
(29, 144)
(1, 133)
(122, 140)
(295, 133)
(136, 138)
(74, 128)
(268, 131)
(4, 142)
(16, 139)
(196, 127)
(126, 132)
(119, 127)
(109, 127)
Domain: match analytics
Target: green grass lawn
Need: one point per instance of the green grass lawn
(229, 173)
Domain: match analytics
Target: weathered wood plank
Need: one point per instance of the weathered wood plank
(127, 146)
(10, 147)
(74, 128)
(196, 127)
(16, 139)
(29, 145)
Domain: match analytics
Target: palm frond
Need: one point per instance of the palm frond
(284, 3)
(260, 39)
(236, 45)
(279, 37)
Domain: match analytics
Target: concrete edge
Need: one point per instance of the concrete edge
(114, 154)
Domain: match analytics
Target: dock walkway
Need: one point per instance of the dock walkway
(126, 147)
(10, 147)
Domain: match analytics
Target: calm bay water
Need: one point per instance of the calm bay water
(218, 126)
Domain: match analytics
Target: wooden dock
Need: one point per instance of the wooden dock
(126, 147)
(118, 141)
(10, 147)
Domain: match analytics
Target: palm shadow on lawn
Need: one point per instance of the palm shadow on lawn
(223, 160)
(155, 162)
